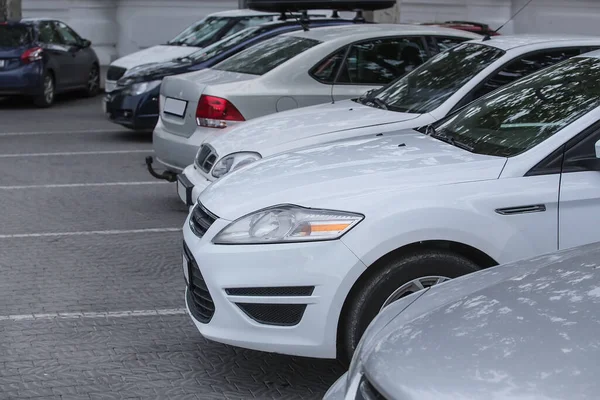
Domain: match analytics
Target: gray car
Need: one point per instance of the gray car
(527, 330)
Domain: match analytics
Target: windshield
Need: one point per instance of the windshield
(224, 44)
(14, 35)
(201, 31)
(432, 83)
(523, 114)
(267, 55)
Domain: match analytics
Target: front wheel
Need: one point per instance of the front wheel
(93, 83)
(393, 280)
(46, 98)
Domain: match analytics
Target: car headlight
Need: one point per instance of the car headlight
(232, 162)
(142, 87)
(288, 223)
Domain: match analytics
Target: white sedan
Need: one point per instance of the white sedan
(438, 87)
(293, 70)
(296, 253)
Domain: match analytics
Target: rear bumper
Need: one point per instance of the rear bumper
(135, 112)
(176, 152)
(24, 80)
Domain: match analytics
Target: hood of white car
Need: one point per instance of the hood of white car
(524, 330)
(346, 174)
(301, 127)
(154, 54)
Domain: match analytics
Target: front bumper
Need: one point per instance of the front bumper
(135, 112)
(260, 272)
(190, 183)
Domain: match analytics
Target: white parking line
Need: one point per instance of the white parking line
(88, 233)
(62, 132)
(75, 153)
(81, 315)
(76, 185)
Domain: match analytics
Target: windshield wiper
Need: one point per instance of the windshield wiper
(373, 101)
(448, 138)
(184, 59)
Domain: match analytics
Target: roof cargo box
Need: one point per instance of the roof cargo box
(300, 5)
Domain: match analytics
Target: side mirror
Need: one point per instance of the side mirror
(86, 43)
(591, 163)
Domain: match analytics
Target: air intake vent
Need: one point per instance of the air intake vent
(272, 291)
(115, 73)
(201, 220)
(274, 314)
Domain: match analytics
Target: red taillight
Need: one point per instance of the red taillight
(214, 112)
(32, 55)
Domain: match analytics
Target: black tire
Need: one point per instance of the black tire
(46, 98)
(93, 84)
(372, 293)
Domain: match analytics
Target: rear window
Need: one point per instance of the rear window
(14, 35)
(225, 44)
(263, 57)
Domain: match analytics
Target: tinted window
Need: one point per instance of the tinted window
(430, 85)
(200, 32)
(267, 55)
(48, 33)
(524, 66)
(381, 61)
(327, 69)
(225, 44)
(14, 35)
(67, 34)
(525, 113)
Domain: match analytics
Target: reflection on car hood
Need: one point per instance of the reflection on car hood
(304, 126)
(152, 71)
(347, 174)
(154, 54)
(526, 330)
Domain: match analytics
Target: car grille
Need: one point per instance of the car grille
(200, 220)
(366, 391)
(274, 314)
(199, 300)
(115, 73)
(206, 158)
(272, 291)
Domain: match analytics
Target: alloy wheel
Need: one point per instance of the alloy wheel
(93, 80)
(413, 286)
(48, 89)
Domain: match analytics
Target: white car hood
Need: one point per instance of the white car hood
(153, 54)
(347, 174)
(301, 127)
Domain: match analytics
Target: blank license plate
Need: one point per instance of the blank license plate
(1, 63)
(175, 107)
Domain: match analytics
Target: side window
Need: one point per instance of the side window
(47, 33)
(523, 66)
(67, 34)
(380, 61)
(583, 149)
(444, 43)
(327, 69)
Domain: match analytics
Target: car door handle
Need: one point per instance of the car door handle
(521, 209)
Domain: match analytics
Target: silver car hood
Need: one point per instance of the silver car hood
(526, 330)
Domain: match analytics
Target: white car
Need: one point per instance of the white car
(438, 87)
(202, 33)
(296, 253)
(292, 70)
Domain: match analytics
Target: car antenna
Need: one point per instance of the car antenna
(303, 19)
(487, 36)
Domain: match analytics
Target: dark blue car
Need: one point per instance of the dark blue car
(42, 57)
(134, 104)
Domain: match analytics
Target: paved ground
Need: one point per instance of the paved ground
(91, 288)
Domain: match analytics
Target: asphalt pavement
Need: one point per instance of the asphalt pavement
(91, 284)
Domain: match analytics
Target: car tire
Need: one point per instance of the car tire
(401, 273)
(46, 98)
(93, 84)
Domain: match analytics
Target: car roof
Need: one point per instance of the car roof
(38, 19)
(245, 12)
(366, 31)
(508, 42)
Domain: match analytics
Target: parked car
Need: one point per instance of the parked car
(527, 330)
(134, 104)
(435, 89)
(298, 252)
(200, 34)
(292, 70)
(40, 58)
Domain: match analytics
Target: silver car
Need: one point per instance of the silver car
(527, 330)
(289, 71)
